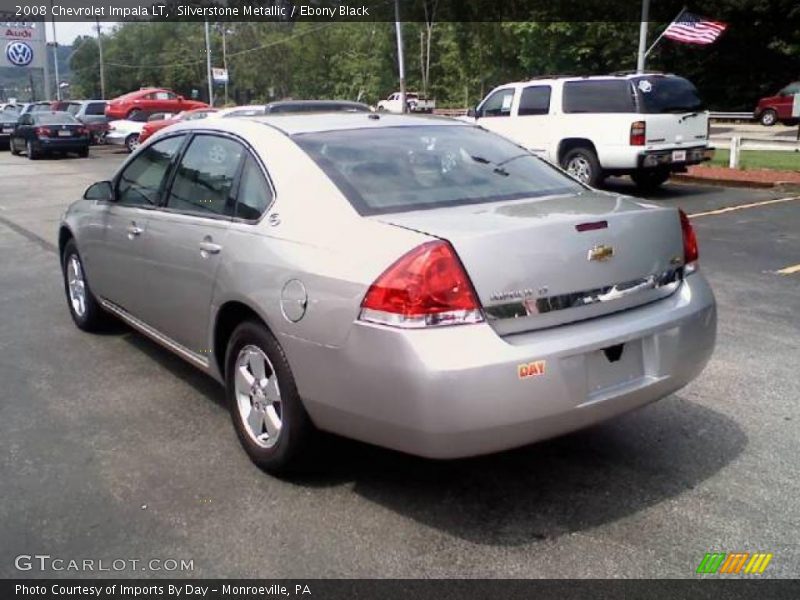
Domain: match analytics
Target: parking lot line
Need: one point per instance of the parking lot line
(728, 209)
(789, 270)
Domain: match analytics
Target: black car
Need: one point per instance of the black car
(39, 133)
(8, 120)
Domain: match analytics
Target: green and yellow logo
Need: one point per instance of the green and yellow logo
(734, 563)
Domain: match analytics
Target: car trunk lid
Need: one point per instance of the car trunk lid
(549, 261)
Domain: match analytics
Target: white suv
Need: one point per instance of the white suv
(642, 125)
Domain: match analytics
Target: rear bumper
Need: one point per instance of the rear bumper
(62, 145)
(667, 158)
(457, 391)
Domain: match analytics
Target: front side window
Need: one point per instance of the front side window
(599, 96)
(205, 175)
(791, 89)
(415, 168)
(498, 104)
(141, 182)
(255, 194)
(535, 100)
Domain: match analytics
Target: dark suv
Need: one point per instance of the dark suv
(778, 108)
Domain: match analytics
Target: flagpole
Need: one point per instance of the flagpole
(642, 37)
(658, 39)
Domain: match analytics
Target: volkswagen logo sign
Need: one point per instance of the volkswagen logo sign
(19, 54)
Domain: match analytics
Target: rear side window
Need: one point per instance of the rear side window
(255, 195)
(598, 96)
(96, 108)
(204, 178)
(667, 94)
(396, 169)
(498, 104)
(535, 100)
(140, 183)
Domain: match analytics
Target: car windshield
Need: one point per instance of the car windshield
(73, 109)
(398, 169)
(666, 94)
(54, 118)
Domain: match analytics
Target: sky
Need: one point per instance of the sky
(67, 31)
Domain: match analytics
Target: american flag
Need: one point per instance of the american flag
(691, 29)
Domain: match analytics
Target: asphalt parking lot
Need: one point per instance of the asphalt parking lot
(115, 449)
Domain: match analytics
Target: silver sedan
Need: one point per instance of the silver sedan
(412, 282)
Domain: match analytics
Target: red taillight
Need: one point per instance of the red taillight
(425, 287)
(42, 132)
(690, 251)
(638, 130)
(82, 131)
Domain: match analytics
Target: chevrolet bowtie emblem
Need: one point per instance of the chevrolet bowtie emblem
(600, 253)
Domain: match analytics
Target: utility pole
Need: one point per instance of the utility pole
(225, 60)
(102, 66)
(400, 60)
(55, 54)
(208, 67)
(643, 36)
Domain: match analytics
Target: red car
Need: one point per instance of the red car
(190, 115)
(778, 108)
(149, 100)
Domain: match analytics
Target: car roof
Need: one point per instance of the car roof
(296, 124)
(609, 77)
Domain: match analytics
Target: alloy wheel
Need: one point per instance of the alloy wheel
(76, 285)
(258, 396)
(579, 167)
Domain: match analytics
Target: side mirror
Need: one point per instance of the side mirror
(101, 190)
(472, 112)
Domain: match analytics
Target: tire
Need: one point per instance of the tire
(582, 163)
(254, 407)
(84, 308)
(132, 142)
(13, 148)
(32, 154)
(768, 118)
(647, 181)
(84, 152)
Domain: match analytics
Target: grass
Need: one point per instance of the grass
(760, 159)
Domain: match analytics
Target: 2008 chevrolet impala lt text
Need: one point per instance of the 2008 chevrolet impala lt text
(412, 282)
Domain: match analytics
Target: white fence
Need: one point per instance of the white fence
(739, 143)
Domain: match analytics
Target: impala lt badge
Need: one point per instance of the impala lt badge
(600, 253)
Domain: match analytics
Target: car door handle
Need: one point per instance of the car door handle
(134, 231)
(207, 247)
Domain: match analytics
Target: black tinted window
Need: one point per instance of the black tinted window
(398, 169)
(96, 108)
(598, 96)
(205, 175)
(535, 100)
(666, 94)
(498, 104)
(140, 183)
(254, 192)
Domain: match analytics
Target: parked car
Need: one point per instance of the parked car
(646, 126)
(125, 132)
(420, 284)
(149, 101)
(92, 114)
(153, 126)
(414, 103)
(778, 108)
(8, 121)
(39, 133)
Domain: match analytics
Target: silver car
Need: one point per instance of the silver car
(412, 282)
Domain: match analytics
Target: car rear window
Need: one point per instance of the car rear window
(73, 109)
(598, 96)
(397, 169)
(96, 108)
(666, 94)
(54, 118)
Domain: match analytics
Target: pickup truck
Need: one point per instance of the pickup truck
(414, 102)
